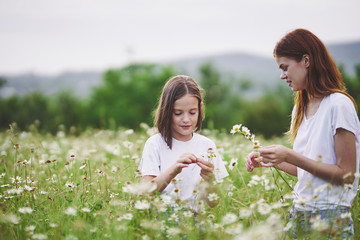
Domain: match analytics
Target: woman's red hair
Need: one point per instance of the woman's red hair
(323, 77)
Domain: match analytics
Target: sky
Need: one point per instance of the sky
(52, 36)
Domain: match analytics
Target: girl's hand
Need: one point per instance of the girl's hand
(273, 155)
(252, 161)
(184, 161)
(207, 170)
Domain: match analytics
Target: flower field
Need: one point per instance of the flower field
(88, 187)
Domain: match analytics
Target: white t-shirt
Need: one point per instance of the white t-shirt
(315, 140)
(157, 157)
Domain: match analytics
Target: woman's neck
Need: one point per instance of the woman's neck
(314, 99)
(312, 106)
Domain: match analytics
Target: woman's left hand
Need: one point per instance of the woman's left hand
(273, 155)
(207, 169)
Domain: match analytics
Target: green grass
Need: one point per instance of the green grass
(78, 190)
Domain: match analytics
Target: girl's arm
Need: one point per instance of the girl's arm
(341, 173)
(163, 179)
(207, 173)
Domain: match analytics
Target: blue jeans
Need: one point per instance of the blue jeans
(329, 222)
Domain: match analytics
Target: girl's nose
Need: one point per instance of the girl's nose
(283, 75)
(186, 117)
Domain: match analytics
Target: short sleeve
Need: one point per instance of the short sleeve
(344, 115)
(220, 169)
(150, 159)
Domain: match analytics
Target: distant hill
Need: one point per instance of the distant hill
(80, 83)
(346, 54)
(262, 71)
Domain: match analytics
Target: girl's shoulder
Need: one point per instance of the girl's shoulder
(156, 139)
(202, 138)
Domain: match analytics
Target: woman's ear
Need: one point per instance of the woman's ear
(306, 60)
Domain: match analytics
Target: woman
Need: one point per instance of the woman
(325, 133)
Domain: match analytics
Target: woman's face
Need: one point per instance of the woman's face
(295, 73)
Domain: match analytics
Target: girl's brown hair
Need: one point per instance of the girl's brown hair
(323, 77)
(174, 89)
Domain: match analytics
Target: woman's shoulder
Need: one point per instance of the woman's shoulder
(341, 102)
(338, 97)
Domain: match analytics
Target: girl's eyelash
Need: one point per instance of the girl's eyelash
(179, 113)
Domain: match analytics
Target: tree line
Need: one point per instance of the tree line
(128, 97)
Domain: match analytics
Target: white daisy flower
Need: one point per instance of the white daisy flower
(244, 213)
(174, 217)
(85, 209)
(39, 236)
(144, 204)
(127, 216)
(233, 163)
(25, 210)
(213, 197)
(235, 129)
(264, 208)
(70, 211)
(188, 214)
(229, 218)
(30, 228)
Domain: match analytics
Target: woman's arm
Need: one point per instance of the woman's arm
(288, 168)
(253, 160)
(342, 173)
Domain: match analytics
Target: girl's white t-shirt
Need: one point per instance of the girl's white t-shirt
(315, 140)
(157, 157)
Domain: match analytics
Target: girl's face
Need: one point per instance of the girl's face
(294, 72)
(184, 117)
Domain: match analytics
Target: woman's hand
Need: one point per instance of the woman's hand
(273, 155)
(207, 170)
(184, 161)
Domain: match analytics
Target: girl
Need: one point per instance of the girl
(173, 158)
(324, 131)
